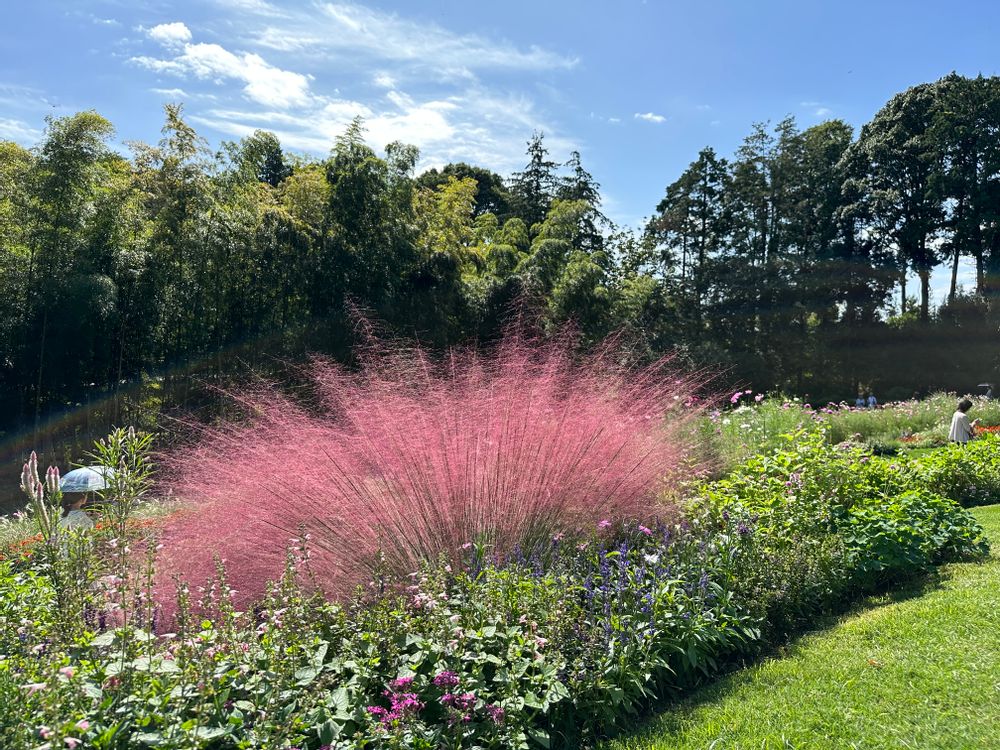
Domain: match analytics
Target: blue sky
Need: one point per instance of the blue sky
(636, 86)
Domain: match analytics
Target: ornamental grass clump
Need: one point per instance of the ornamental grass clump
(409, 457)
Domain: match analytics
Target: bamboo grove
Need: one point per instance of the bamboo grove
(803, 261)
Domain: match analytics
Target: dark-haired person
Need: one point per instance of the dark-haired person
(962, 430)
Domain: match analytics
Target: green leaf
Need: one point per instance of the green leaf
(306, 675)
(539, 736)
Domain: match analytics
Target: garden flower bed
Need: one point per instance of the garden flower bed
(548, 649)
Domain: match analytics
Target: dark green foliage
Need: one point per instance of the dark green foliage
(968, 474)
(781, 263)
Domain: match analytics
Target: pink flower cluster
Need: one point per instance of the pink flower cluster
(402, 704)
(446, 679)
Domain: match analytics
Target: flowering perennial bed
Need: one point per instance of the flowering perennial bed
(550, 649)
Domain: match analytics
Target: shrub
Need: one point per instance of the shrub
(900, 535)
(830, 521)
(410, 457)
(968, 474)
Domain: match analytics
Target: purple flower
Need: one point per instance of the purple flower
(465, 701)
(446, 679)
(496, 713)
(645, 530)
(400, 684)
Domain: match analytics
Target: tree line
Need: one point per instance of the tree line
(788, 263)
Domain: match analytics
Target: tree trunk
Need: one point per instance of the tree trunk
(925, 295)
(953, 288)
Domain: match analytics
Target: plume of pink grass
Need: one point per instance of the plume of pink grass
(409, 457)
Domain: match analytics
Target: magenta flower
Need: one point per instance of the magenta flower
(446, 679)
(400, 684)
(735, 397)
(645, 530)
(603, 524)
(496, 713)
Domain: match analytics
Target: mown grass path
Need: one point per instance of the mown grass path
(918, 669)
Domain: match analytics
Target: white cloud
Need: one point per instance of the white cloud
(257, 7)
(650, 117)
(170, 34)
(337, 28)
(411, 80)
(18, 131)
(265, 83)
(474, 127)
(819, 109)
(171, 93)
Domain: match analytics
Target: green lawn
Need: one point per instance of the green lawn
(919, 669)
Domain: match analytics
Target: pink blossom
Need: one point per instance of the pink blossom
(759, 397)
(71, 742)
(67, 672)
(645, 530)
(603, 523)
(83, 725)
(446, 679)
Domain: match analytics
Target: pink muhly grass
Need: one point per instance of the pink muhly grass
(410, 457)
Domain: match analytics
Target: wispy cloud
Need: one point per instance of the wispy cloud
(335, 29)
(265, 83)
(477, 126)
(650, 117)
(257, 7)
(171, 93)
(454, 95)
(18, 131)
(819, 109)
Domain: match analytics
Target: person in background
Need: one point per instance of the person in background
(76, 517)
(962, 430)
(872, 401)
(859, 402)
